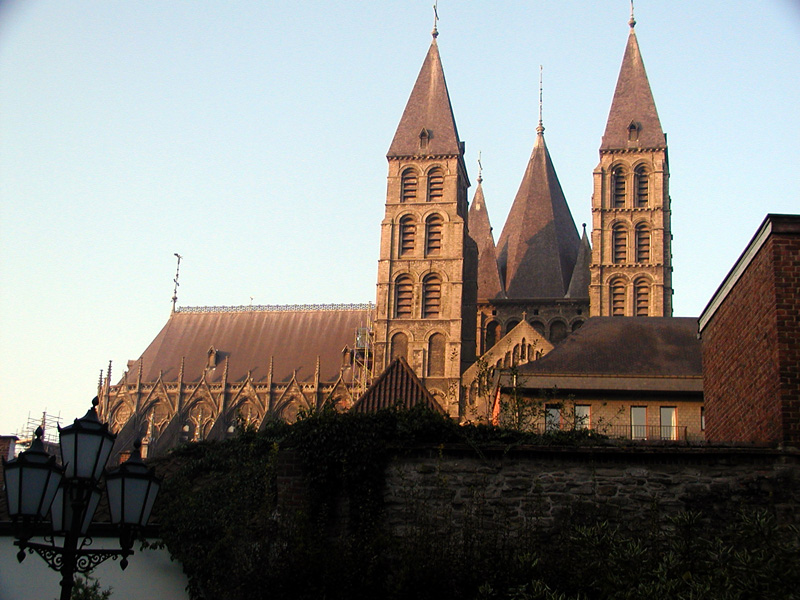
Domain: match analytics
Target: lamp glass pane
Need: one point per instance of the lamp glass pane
(12, 489)
(68, 452)
(151, 498)
(91, 507)
(57, 511)
(34, 482)
(88, 447)
(135, 497)
(105, 451)
(114, 491)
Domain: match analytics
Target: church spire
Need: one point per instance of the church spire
(428, 126)
(633, 120)
(539, 243)
(480, 230)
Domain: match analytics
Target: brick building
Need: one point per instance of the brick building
(750, 334)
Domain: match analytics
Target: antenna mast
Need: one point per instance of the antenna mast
(175, 289)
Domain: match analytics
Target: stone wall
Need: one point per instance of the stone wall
(547, 486)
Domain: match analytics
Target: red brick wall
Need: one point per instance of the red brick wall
(750, 350)
(786, 253)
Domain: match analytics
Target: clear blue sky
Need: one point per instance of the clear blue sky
(250, 137)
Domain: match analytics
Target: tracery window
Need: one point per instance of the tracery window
(408, 230)
(642, 243)
(642, 187)
(617, 298)
(433, 235)
(431, 296)
(618, 187)
(435, 184)
(620, 243)
(436, 355)
(408, 185)
(642, 289)
(403, 296)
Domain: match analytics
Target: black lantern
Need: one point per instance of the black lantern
(32, 480)
(35, 484)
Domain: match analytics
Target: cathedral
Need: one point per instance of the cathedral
(448, 297)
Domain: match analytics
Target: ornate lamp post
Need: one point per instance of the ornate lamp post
(36, 485)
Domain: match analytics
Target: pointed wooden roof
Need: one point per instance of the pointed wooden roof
(396, 387)
(633, 104)
(539, 243)
(579, 284)
(429, 113)
(480, 230)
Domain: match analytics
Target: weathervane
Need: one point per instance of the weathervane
(480, 168)
(632, 22)
(175, 290)
(540, 127)
(435, 31)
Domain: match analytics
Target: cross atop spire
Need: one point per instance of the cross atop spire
(480, 168)
(435, 32)
(632, 21)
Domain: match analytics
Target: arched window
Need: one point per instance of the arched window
(617, 298)
(642, 288)
(436, 355)
(408, 231)
(642, 178)
(399, 346)
(558, 331)
(492, 335)
(642, 243)
(618, 187)
(431, 296)
(408, 192)
(511, 324)
(403, 295)
(435, 184)
(620, 243)
(433, 235)
(577, 325)
(539, 327)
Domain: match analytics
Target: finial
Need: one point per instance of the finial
(584, 228)
(540, 127)
(175, 290)
(632, 22)
(480, 169)
(435, 32)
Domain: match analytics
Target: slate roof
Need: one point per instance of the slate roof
(539, 243)
(480, 230)
(615, 352)
(581, 277)
(633, 101)
(428, 108)
(247, 339)
(397, 386)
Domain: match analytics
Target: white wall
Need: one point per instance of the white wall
(150, 574)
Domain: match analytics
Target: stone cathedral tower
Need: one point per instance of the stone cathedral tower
(631, 269)
(427, 269)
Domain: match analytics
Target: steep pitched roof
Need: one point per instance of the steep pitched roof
(480, 230)
(625, 349)
(633, 104)
(428, 110)
(539, 242)
(246, 340)
(579, 283)
(397, 386)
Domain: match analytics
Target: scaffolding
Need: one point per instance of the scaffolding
(49, 424)
(363, 363)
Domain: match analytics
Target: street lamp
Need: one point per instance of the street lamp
(70, 492)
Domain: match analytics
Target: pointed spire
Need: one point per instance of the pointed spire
(428, 126)
(579, 284)
(633, 120)
(539, 242)
(480, 230)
